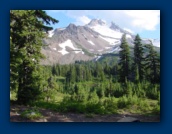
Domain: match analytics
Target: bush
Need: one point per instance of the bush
(122, 102)
(153, 92)
(31, 114)
(110, 105)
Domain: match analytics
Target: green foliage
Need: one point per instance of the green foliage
(123, 102)
(13, 96)
(46, 105)
(152, 65)
(85, 87)
(138, 58)
(137, 76)
(26, 33)
(124, 61)
(31, 114)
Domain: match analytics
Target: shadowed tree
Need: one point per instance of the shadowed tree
(152, 64)
(27, 29)
(138, 57)
(124, 61)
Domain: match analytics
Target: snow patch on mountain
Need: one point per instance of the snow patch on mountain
(108, 47)
(106, 31)
(51, 33)
(155, 42)
(65, 44)
(110, 40)
(128, 36)
(98, 57)
(91, 42)
(63, 51)
(116, 49)
(61, 28)
(77, 52)
(54, 48)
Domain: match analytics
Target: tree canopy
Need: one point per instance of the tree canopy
(27, 29)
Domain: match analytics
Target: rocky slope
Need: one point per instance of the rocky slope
(89, 42)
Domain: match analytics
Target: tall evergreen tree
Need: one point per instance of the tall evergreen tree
(152, 64)
(124, 61)
(27, 29)
(107, 69)
(138, 56)
(54, 70)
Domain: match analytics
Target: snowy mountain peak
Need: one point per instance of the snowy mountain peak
(72, 26)
(95, 22)
(154, 42)
(89, 42)
(117, 28)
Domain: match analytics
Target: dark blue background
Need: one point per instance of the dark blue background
(87, 128)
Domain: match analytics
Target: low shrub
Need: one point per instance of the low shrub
(31, 114)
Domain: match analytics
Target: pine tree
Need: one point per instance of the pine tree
(15, 60)
(107, 69)
(152, 65)
(137, 75)
(26, 32)
(54, 70)
(59, 69)
(73, 74)
(124, 61)
(78, 73)
(138, 56)
(88, 73)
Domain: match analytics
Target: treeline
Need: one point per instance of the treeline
(94, 95)
(101, 79)
(143, 66)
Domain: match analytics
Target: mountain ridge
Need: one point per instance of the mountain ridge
(88, 42)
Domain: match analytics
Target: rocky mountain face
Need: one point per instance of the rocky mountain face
(89, 42)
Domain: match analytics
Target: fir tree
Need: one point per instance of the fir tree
(137, 75)
(124, 61)
(152, 64)
(26, 32)
(54, 70)
(138, 56)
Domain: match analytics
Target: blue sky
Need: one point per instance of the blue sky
(144, 22)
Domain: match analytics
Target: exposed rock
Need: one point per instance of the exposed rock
(129, 119)
(85, 42)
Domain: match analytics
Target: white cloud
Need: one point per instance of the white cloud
(135, 20)
(82, 20)
(144, 19)
(129, 30)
